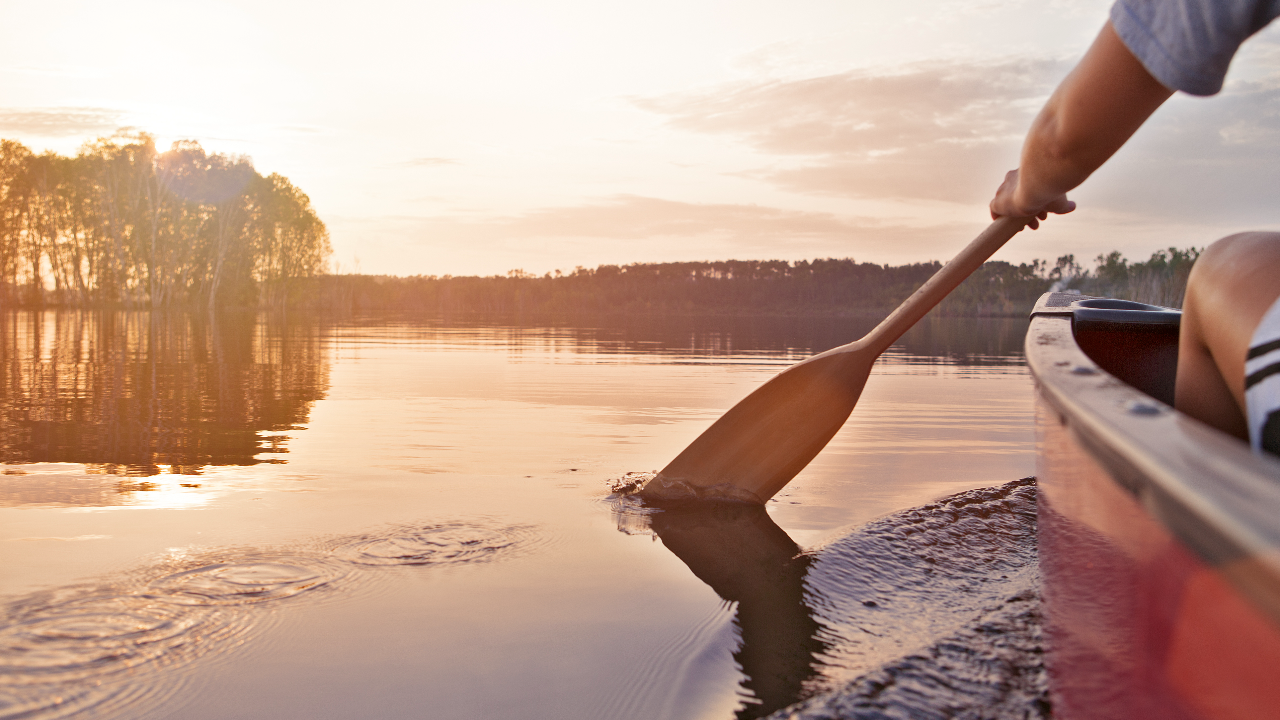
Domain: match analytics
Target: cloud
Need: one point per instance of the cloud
(954, 173)
(631, 217)
(629, 228)
(949, 131)
(920, 131)
(305, 129)
(428, 162)
(861, 112)
(59, 122)
(1208, 159)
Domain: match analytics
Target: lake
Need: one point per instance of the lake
(321, 518)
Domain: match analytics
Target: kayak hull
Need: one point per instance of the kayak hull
(1157, 534)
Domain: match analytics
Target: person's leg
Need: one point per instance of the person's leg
(1232, 285)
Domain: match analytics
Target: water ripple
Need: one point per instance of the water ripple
(443, 544)
(99, 634)
(932, 612)
(72, 651)
(94, 650)
(247, 580)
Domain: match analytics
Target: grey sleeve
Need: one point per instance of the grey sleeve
(1188, 44)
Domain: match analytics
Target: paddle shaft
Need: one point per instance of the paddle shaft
(942, 283)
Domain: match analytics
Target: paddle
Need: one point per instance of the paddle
(755, 449)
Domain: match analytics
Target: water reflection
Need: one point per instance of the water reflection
(89, 397)
(782, 340)
(140, 394)
(747, 559)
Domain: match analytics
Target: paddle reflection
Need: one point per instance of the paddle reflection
(747, 559)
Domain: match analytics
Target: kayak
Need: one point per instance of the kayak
(1159, 536)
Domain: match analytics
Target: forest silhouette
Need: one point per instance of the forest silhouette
(830, 287)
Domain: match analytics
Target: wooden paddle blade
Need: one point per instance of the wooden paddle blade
(763, 441)
(755, 449)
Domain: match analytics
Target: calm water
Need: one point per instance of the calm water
(395, 519)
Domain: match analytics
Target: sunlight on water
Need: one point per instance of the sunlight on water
(198, 518)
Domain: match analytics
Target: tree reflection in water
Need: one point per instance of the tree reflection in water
(140, 393)
(747, 559)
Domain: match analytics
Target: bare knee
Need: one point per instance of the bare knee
(1237, 253)
(1236, 279)
(1232, 284)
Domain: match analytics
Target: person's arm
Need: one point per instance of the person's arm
(1102, 102)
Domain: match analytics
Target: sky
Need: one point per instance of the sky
(485, 136)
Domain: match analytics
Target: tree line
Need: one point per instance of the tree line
(1159, 280)
(121, 224)
(840, 287)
